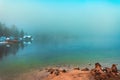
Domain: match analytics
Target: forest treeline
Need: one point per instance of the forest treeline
(11, 31)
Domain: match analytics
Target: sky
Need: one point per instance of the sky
(82, 17)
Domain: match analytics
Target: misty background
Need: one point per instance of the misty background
(89, 22)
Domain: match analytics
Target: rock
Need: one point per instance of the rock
(57, 72)
(107, 70)
(51, 70)
(97, 65)
(85, 69)
(114, 69)
(106, 73)
(89, 64)
(64, 71)
(77, 68)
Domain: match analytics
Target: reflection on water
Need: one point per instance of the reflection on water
(40, 53)
(11, 48)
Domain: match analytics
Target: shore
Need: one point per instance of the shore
(70, 73)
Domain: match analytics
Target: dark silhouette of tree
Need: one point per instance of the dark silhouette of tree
(21, 33)
(2, 29)
(14, 31)
(10, 31)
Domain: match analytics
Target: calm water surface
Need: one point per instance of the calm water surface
(15, 58)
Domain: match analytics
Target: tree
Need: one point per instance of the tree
(21, 33)
(14, 31)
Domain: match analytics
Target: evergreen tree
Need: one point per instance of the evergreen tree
(22, 33)
(14, 31)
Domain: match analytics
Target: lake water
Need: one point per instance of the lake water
(15, 58)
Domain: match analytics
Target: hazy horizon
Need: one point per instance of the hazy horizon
(87, 17)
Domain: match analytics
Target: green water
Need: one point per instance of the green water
(19, 59)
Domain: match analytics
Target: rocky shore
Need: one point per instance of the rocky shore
(75, 73)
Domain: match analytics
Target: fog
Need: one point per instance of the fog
(89, 20)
